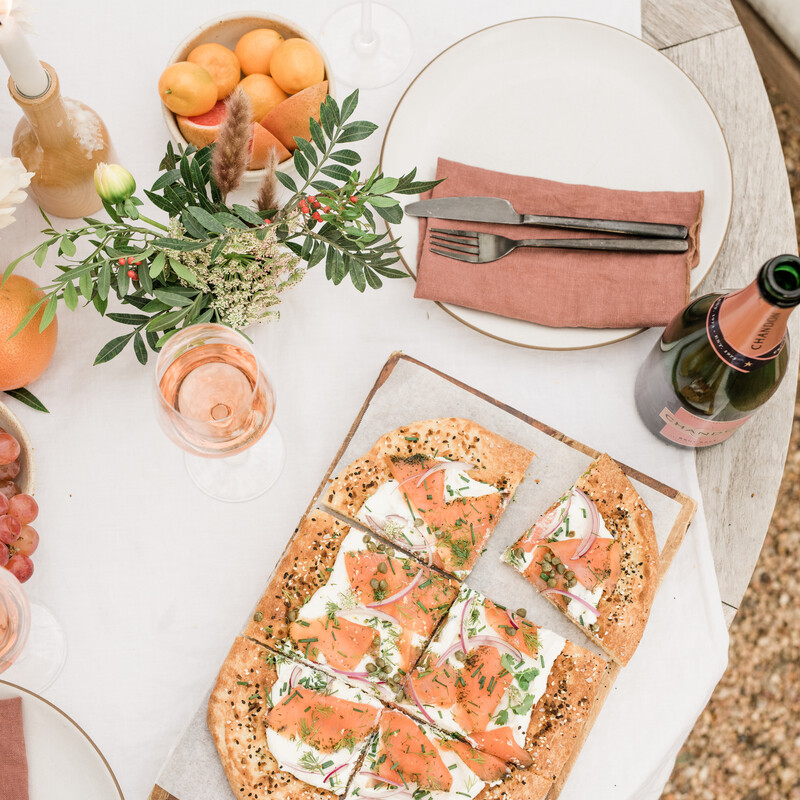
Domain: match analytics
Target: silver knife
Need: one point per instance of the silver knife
(494, 209)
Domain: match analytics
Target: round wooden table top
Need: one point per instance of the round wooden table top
(740, 479)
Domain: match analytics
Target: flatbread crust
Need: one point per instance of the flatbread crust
(624, 612)
(499, 461)
(235, 718)
(557, 725)
(302, 570)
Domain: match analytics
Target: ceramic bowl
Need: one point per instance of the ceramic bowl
(26, 480)
(227, 30)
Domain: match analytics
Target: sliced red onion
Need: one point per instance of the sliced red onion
(595, 521)
(511, 620)
(572, 596)
(462, 628)
(415, 697)
(368, 613)
(373, 523)
(347, 674)
(561, 517)
(498, 643)
(427, 547)
(335, 770)
(462, 465)
(586, 544)
(398, 595)
(380, 778)
(293, 677)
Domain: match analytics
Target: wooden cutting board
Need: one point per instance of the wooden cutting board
(408, 390)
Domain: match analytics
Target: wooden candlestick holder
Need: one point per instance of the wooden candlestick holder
(61, 141)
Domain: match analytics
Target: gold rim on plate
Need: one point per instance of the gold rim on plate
(69, 719)
(452, 313)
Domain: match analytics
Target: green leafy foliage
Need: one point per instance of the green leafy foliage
(147, 264)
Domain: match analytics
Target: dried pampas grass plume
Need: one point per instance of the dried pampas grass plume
(267, 197)
(232, 151)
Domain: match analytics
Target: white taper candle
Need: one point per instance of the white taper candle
(28, 74)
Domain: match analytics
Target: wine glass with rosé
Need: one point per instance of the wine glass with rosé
(213, 399)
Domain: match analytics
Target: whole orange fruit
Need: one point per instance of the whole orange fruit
(25, 357)
(264, 94)
(254, 50)
(296, 65)
(187, 89)
(220, 63)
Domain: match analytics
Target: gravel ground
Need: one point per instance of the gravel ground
(746, 744)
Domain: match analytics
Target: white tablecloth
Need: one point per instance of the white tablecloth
(151, 579)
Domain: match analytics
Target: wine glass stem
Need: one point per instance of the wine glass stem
(365, 38)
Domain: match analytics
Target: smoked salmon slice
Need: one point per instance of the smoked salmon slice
(342, 643)
(480, 687)
(411, 757)
(600, 565)
(320, 720)
(487, 767)
(461, 524)
(501, 744)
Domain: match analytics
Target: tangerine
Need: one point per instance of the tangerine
(187, 89)
(254, 50)
(263, 93)
(25, 357)
(221, 63)
(297, 64)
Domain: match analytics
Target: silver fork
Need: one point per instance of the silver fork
(481, 248)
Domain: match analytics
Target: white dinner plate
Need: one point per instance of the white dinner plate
(63, 762)
(567, 100)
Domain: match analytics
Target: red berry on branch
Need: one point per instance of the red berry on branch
(326, 210)
(267, 221)
(130, 259)
(316, 216)
(133, 274)
(353, 198)
(121, 262)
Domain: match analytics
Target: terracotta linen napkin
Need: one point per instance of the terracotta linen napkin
(562, 288)
(13, 760)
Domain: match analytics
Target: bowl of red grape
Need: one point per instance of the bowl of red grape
(18, 509)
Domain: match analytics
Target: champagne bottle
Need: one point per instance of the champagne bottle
(720, 359)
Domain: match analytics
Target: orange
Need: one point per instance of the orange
(254, 50)
(261, 144)
(203, 129)
(220, 63)
(25, 357)
(291, 117)
(187, 89)
(263, 93)
(296, 64)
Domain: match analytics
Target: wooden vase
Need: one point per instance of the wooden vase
(61, 141)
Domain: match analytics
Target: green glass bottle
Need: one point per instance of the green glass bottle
(720, 359)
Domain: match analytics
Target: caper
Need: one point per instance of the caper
(366, 538)
(371, 546)
(371, 668)
(521, 612)
(418, 522)
(548, 556)
(400, 696)
(439, 534)
(383, 585)
(460, 655)
(390, 552)
(380, 662)
(572, 582)
(258, 616)
(381, 548)
(375, 583)
(551, 582)
(569, 574)
(561, 569)
(556, 561)
(292, 615)
(382, 567)
(519, 553)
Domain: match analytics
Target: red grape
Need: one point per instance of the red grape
(24, 508)
(10, 529)
(4, 555)
(21, 567)
(3, 505)
(28, 541)
(9, 448)
(9, 471)
(8, 489)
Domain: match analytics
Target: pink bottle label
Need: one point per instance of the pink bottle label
(683, 427)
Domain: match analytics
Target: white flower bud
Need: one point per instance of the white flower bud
(113, 182)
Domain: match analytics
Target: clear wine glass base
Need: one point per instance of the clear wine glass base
(244, 476)
(44, 654)
(367, 63)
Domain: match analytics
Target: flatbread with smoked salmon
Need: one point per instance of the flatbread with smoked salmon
(513, 690)
(594, 555)
(436, 488)
(284, 730)
(364, 616)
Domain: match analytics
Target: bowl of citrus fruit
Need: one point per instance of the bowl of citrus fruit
(280, 68)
